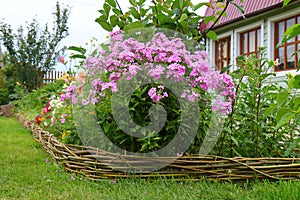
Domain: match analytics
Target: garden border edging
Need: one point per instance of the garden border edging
(83, 160)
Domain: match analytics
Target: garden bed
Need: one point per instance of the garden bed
(85, 161)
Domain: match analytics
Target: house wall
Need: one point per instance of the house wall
(266, 22)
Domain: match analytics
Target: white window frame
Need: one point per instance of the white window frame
(247, 28)
(212, 49)
(270, 41)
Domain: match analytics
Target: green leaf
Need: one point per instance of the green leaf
(143, 11)
(106, 8)
(290, 33)
(297, 81)
(162, 18)
(291, 147)
(105, 25)
(209, 18)
(133, 2)
(141, 2)
(212, 35)
(199, 5)
(78, 49)
(282, 97)
(285, 119)
(281, 112)
(114, 20)
(78, 56)
(112, 3)
(239, 7)
(184, 24)
(180, 4)
(269, 110)
(135, 13)
(225, 69)
(133, 25)
(183, 17)
(286, 2)
(117, 11)
(102, 12)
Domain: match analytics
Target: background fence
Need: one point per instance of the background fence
(51, 76)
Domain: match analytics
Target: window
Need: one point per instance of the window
(222, 53)
(249, 42)
(284, 53)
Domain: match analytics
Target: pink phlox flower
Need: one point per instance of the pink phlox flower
(161, 57)
(193, 97)
(112, 64)
(156, 72)
(70, 89)
(152, 92)
(114, 76)
(159, 39)
(85, 102)
(222, 106)
(127, 56)
(52, 121)
(63, 118)
(147, 52)
(133, 69)
(184, 93)
(94, 101)
(203, 66)
(116, 35)
(200, 55)
(174, 58)
(113, 86)
(178, 44)
(155, 95)
(176, 70)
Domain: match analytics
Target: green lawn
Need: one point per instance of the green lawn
(25, 174)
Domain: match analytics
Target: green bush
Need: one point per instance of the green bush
(264, 118)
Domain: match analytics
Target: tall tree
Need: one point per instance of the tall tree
(33, 52)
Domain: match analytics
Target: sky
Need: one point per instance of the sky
(82, 25)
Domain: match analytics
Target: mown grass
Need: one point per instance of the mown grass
(25, 174)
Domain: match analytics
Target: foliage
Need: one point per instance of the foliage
(33, 52)
(178, 15)
(45, 107)
(4, 95)
(263, 121)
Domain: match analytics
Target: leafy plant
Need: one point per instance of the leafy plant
(33, 52)
(178, 15)
(263, 121)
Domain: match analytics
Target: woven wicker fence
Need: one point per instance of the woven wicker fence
(85, 161)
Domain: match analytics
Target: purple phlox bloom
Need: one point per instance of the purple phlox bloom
(155, 95)
(176, 70)
(156, 72)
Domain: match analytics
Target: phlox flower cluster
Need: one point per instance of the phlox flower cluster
(161, 57)
(155, 95)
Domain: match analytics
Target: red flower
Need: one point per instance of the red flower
(39, 119)
(46, 109)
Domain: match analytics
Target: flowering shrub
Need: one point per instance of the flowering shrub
(161, 58)
(57, 117)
